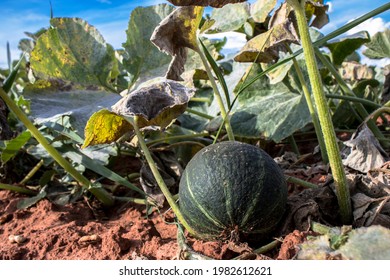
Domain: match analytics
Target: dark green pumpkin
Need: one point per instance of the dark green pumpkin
(232, 188)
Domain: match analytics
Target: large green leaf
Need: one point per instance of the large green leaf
(379, 47)
(75, 51)
(271, 111)
(345, 46)
(144, 60)
(50, 103)
(229, 18)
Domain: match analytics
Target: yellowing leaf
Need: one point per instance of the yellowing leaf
(72, 50)
(105, 127)
(175, 33)
(212, 3)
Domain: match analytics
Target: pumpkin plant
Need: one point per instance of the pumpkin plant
(225, 187)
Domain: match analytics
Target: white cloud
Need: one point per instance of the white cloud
(235, 40)
(105, 1)
(372, 26)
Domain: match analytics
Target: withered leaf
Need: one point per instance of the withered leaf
(317, 9)
(266, 46)
(281, 15)
(175, 33)
(313, 8)
(156, 105)
(170, 170)
(212, 3)
(355, 71)
(363, 152)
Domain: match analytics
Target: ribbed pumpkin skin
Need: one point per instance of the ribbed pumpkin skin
(232, 186)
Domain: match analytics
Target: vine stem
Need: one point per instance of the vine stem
(217, 94)
(160, 181)
(100, 193)
(312, 110)
(324, 116)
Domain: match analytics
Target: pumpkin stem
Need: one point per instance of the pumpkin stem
(160, 181)
(324, 115)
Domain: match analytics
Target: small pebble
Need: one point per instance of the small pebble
(89, 239)
(17, 239)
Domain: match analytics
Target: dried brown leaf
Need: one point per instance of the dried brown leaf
(175, 33)
(156, 105)
(363, 151)
(266, 46)
(212, 3)
(319, 11)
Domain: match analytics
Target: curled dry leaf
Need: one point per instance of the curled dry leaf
(266, 46)
(363, 152)
(156, 105)
(175, 33)
(355, 71)
(212, 3)
(319, 11)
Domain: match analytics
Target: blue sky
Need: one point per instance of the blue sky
(110, 17)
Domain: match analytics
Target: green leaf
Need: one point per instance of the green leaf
(212, 3)
(13, 146)
(105, 127)
(379, 47)
(50, 104)
(73, 50)
(272, 111)
(261, 9)
(143, 60)
(345, 46)
(229, 18)
(30, 201)
(91, 163)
